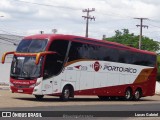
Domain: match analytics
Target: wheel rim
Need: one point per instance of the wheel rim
(128, 95)
(137, 94)
(66, 93)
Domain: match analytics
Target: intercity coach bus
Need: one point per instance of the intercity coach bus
(67, 65)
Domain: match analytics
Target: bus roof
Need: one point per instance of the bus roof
(85, 40)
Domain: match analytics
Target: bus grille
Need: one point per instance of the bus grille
(21, 86)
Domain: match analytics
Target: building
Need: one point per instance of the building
(7, 43)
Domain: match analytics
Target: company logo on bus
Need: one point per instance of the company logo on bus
(96, 66)
(119, 69)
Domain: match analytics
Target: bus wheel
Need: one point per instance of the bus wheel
(128, 94)
(39, 97)
(65, 94)
(137, 94)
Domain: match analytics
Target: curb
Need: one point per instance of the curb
(4, 87)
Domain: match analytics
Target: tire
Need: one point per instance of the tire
(39, 97)
(65, 94)
(137, 94)
(103, 97)
(128, 94)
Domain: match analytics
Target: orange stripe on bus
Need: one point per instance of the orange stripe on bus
(143, 76)
(74, 61)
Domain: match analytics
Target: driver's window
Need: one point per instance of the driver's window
(54, 63)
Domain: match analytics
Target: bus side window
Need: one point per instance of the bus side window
(75, 51)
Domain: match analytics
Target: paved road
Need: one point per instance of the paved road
(22, 102)
(137, 107)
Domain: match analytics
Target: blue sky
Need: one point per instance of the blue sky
(27, 17)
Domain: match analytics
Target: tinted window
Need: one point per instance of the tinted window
(76, 51)
(59, 46)
(54, 63)
(32, 46)
(107, 53)
(143, 59)
(89, 51)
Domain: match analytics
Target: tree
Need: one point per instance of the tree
(126, 38)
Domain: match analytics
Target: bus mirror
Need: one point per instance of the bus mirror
(4, 56)
(38, 56)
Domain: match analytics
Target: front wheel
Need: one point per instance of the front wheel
(65, 94)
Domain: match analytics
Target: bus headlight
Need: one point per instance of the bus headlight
(37, 83)
(32, 86)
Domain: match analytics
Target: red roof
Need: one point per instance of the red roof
(72, 37)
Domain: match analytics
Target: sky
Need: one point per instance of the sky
(28, 17)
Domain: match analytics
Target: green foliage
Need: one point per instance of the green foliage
(126, 38)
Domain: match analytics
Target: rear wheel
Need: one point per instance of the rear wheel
(39, 97)
(65, 94)
(128, 94)
(137, 94)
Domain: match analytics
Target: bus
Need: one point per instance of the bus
(68, 65)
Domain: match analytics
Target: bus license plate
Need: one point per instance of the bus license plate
(20, 90)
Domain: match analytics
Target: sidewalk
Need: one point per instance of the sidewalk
(4, 86)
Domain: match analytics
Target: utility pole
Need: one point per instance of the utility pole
(141, 26)
(88, 17)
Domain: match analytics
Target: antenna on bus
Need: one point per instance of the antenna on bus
(41, 32)
(54, 31)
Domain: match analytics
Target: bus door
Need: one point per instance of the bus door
(53, 68)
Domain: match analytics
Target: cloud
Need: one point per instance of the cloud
(66, 16)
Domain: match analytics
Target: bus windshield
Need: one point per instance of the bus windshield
(32, 46)
(25, 68)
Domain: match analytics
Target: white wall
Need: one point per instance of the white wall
(4, 72)
(6, 46)
(157, 87)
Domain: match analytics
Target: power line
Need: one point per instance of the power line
(154, 20)
(48, 5)
(1, 36)
(6, 44)
(9, 33)
(72, 8)
(9, 40)
(64, 7)
(117, 15)
(155, 26)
